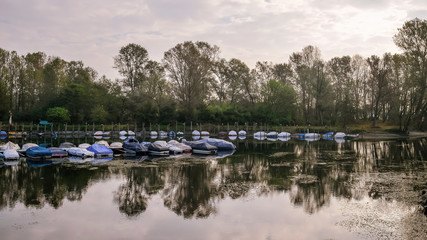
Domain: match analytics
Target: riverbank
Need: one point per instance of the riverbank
(382, 135)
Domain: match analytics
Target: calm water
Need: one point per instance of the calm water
(265, 190)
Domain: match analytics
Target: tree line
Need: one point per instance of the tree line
(194, 83)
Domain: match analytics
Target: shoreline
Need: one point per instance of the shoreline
(380, 135)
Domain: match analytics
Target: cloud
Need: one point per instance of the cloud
(250, 30)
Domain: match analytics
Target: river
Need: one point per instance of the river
(265, 190)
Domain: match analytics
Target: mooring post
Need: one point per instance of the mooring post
(184, 127)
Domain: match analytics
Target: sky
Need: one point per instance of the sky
(93, 31)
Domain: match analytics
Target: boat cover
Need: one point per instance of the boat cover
(123, 133)
(339, 135)
(10, 154)
(284, 134)
(328, 135)
(272, 135)
(133, 145)
(99, 149)
(116, 145)
(195, 133)
(66, 145)
(156, 147)
(221, 144)
(84, 145)
(28, 145)
(10, 145)
(200, 145)
(36, 152)
(260, 134)
(58, 152)
(103, 142)
(179, 145)
(242, 132)
(80, 152)
(232, 133)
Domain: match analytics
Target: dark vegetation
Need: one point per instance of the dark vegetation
(193, 83)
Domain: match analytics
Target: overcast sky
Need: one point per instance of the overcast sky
(251, 30)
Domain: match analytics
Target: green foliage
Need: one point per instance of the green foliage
(58, 114)
(99, 115)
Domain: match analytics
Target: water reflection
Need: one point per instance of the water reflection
(312, 173)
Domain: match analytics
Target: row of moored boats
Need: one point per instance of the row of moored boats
(102, 149)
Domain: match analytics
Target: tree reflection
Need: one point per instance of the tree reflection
(36, 187)
(141, 183)
(191, 191)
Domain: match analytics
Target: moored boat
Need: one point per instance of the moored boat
(10, 155)
(184, 148)
(84, 145)
(10, 145)
(132, 146)
(203, 148)
(58, 152)
(272, 134)
(157, 150)
(283, 135)
(38, 153)
(221, 144)
(242, 133)
(80, 152)
(117, 147)
(100, 151)
(232, 133)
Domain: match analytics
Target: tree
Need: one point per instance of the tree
(189, 67)
(58, 114)
(379, 83)
(412, 39)
(131, 63)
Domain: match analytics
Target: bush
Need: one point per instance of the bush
(58, 114)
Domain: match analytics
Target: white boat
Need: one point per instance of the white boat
(242, 133)
(184, 148)
(284, 139)
(172, 149)
(80, 152)
(102, 142)
(204, 133)
(28, 145)
(179, 133)
(260, 134)
(123, 133)
(84, 145)
(153, 133)
(11, 155)
(10, 145)
(232, 133)
(98, 133)
(312, 136)
(339, 135)
(284, 134)
(195, 133)
(131, 133)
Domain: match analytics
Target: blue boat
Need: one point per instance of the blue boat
(328, 135)
(100, 150)
(38, 153)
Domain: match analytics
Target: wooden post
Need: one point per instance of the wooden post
(191, 127)
(184, 127)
